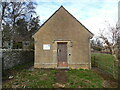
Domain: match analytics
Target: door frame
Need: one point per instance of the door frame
(69, 50)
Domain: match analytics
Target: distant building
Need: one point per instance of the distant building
(18, 42)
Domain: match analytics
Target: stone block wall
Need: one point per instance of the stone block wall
(13, 57)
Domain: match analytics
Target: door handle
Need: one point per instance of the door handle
(59, 50)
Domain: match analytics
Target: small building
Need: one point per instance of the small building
(62, 42)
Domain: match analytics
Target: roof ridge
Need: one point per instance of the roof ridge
(68, 13)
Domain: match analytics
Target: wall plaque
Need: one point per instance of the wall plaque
(46, 46)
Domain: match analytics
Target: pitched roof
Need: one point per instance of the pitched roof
(68, 13)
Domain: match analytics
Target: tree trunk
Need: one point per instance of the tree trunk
(118, 57)
(115, 60)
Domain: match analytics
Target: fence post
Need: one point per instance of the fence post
(114, 69)
(94, 61)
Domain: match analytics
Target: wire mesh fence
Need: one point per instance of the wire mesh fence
(110, 69)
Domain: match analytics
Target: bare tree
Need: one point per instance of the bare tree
(12, 12)
(96, 44)
(110, 37)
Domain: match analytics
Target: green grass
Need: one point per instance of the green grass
(14, 70)
(84, 79)
(104, 61)
(42, 78)
(45, 78)
(32, 79)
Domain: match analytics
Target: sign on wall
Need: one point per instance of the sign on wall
(46, 46)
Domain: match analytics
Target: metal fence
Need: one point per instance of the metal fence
(113, 70)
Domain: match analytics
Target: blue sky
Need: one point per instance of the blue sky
(91, 13)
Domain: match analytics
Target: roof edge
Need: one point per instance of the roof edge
(54, 14)
(77, 20)
(48, 19)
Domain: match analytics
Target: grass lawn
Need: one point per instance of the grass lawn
(83, 79)
(103, 61)
(45, 78)
(23, 77)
